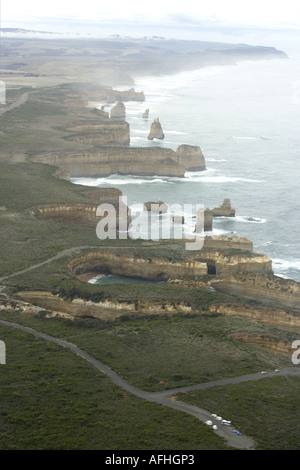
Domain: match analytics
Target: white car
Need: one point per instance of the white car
(215, 427)
(208, 422)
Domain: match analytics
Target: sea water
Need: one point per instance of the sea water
(246, 119)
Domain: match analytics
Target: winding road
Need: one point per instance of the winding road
(233, 440)
(162, 397)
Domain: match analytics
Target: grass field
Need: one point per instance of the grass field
(50, 399)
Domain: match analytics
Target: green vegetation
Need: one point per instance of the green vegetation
(267, 410)
(52, 399)
(157, 353)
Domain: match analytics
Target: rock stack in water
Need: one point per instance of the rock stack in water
(118, 111)
(160, 207)
(145, 114)
(204, 221)
(225, 210)
(156, 131)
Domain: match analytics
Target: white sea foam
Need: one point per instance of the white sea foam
(118, 180)
(96, 278)
(283, 264)
(250, 219)
(205, 178)
(175, 132)
(215, 159)
(244, 137)
(281, 267)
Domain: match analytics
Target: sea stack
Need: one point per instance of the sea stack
(118, 111)
(159, 207)
(204, 221)
(145, 114)
(225, 210)
(156, 131)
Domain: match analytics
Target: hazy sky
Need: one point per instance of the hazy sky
(255, 12)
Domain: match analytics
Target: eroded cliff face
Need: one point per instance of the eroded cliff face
(264, 288)
(118, 111)
(265, 341)
(78, 214)
(110, 310)
(222, 263)
(110, 95)
(156, 131)
(191, 157)
(225, 210)
(271, 316)
(116, 133)
(158, 269)
(127, 160)
(224, 242)
(111, 195)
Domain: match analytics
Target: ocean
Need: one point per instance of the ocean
(246, 120)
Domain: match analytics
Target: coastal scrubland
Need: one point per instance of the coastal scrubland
(52, 399)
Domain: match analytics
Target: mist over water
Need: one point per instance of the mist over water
(246, 120)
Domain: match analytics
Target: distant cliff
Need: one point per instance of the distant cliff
(127, 161)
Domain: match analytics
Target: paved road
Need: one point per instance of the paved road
(61, 254)
(239, 442)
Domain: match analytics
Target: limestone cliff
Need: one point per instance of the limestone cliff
(271, 316)
(265, 341)
(265, 288)
(108, 161)
(225, 210)
(192, 157)
(74, 214)
(157, 269)
(112, 133)
(191, 266)
(225, 242)
(221, 263)
(156, 131)
(158, 206)
(118, 111)
(144, 161)
(107, 310)
(110, 95)
(111, 195)
(110, 310)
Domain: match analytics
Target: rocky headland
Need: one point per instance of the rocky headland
(141, 161)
